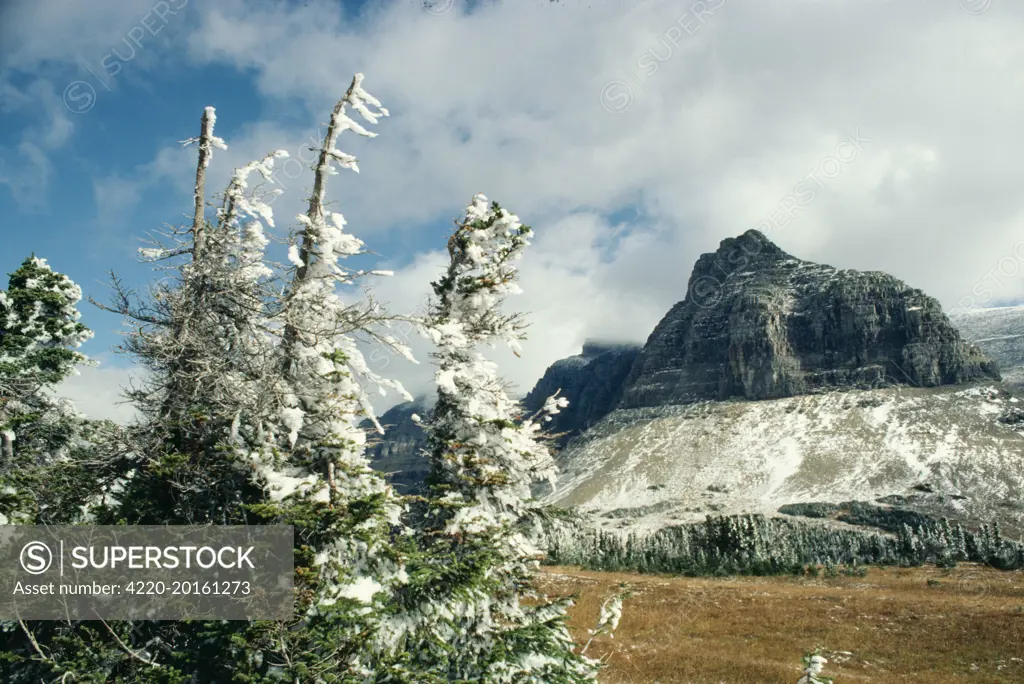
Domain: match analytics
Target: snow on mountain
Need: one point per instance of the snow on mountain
(999, 332)
(943, 449)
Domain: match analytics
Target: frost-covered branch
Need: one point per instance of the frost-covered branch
(608, 619)
(236, 199)
(484, 460)
(321, 240)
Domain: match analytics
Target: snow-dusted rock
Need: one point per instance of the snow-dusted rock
(944, 450)
(999, 333)
(758, 323)
(592, 381)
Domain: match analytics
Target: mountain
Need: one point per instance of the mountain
(999, 333)
(398, 452)
(592, 381)
(758, 323)
(779, 383)
(782, 383)
(941, 451)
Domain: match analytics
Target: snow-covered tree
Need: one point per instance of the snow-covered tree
(814, 664)
(200, 333)
(469, 612)
(39, 332)
(313, 458)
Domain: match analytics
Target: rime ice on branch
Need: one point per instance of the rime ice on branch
(316, 458)
(250, 413)
(470, 623)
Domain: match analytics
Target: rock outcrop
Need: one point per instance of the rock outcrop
(592, 381)
(758, 323)
(999, 333)
(399, 451)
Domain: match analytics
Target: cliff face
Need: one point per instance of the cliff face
(398, 453)
(999, 333)
(758, 323)
(592, 382)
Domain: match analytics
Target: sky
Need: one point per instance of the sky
(632, 137)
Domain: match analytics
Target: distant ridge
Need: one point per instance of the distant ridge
(999, 333)
(592, 381)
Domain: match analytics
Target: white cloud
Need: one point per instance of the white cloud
(565, 300)
(98, 391)
(506, 100)
(33, 32)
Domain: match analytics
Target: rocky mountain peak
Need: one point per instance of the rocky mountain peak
(399, 453)
(591, 381)
(758, 323)
(751, 249)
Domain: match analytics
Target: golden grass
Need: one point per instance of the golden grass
(967, 625)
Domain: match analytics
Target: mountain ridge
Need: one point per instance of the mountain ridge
(776, 326)
(999, 333)
(777, 384)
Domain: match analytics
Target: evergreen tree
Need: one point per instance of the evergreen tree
(39, 332)
(173, 466)
(248, 416)
(312, 458)
(465, 619)
(202, 334)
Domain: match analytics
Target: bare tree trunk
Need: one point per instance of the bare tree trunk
(316, 199)
(181, 328)
(199, 220)
(6, 450)
(315, 212)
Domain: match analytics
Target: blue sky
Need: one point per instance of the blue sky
(633, 136)
(122, 106)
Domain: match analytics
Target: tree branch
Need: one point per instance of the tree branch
(129, 651)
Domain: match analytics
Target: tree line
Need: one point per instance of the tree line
(758, 545)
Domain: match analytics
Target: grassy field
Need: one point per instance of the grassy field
(895, 625)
